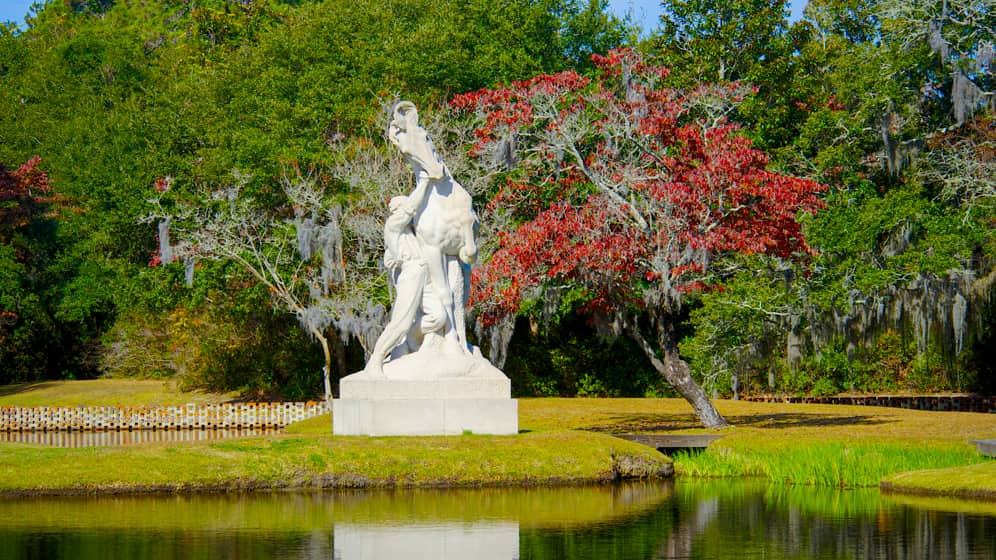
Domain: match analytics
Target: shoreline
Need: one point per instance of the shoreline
(331, 483)
(321, 462)
(563, 442)
(352, 481)
(984, 495)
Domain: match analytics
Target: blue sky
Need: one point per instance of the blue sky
(644, 12)
(14, 10)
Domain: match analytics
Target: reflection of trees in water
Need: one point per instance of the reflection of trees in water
(725, 519)
(833, 525)
(735, 521)
(688, 527)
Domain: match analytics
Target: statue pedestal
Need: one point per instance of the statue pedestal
(401, 404)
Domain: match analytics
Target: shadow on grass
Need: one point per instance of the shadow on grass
(7, 390)
(674, 422)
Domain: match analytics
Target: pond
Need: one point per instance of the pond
(724, 519)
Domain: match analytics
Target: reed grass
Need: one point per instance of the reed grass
(827, 463)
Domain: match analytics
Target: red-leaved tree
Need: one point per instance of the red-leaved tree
(23, 193)
(627, 192)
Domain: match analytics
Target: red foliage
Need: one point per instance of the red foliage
(162, 184)
(625, 188)
(564, 241)
(23, 192)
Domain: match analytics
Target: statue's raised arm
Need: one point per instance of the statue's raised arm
(413, 142)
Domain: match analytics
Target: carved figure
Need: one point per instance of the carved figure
(429, 242)
(415, 310)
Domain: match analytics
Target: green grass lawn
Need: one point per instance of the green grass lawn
(311, 460)
(562, 440)
(824, 445)
(98, 392)
(972, 481)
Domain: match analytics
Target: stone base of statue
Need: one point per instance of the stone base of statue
(426, 394)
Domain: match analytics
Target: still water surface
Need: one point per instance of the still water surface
(725, 519)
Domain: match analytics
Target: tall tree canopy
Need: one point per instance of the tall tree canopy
(116, 96)
(629, 195)
(889, 103)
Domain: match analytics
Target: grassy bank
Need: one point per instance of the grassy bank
(309, 460)
(563, 441)
(826, 445)
(972, 481)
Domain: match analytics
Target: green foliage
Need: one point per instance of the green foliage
(864, 104)
(737, 328)
(567, 358)
(116, 96)
(829, 464)
(718, 41)
(221, 340)
(874, 248)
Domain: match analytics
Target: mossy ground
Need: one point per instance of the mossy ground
(562, 441)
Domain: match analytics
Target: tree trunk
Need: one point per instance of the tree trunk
(328, 366)
(677, 373)
(339, 351)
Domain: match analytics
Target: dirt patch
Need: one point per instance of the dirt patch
(630, 467)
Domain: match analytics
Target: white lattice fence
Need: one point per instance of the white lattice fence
(169, 417)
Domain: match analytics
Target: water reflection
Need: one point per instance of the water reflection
(65, 438)
(797, 522)
(722, 519)
(493, 540)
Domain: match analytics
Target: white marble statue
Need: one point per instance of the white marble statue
(429, 246)
(422, 377)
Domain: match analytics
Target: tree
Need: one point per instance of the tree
(744, 40)
(115, 94)
(964, 166)
(29, 341)
(962, 34)
(719, 41)
(628, 196)
(316, 253)
(23, 193)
